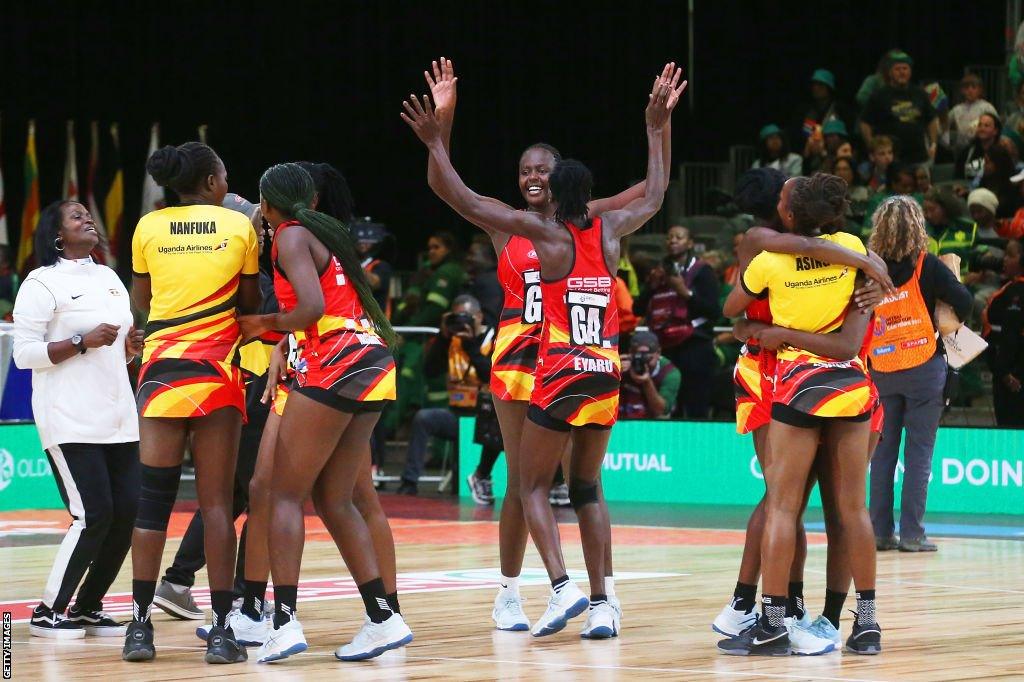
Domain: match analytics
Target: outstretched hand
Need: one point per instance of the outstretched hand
(442, 87)
(665, 95)
(421, 119)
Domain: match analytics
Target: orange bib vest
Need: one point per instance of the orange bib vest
(904, 335)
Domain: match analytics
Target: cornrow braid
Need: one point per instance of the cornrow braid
(819, 204)
(290, 189)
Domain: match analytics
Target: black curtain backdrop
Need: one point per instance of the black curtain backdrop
(324, 81)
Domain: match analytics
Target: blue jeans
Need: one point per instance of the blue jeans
(439, 422)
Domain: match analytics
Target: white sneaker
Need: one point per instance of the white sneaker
(508, 612)
(562, 606)
(731, 622)
(802, 642)
(600, 622)
(373, 639)
(282, 642)
(822, 627)
(616, 605)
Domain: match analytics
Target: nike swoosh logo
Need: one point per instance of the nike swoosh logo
(766, 641)
(79, 296)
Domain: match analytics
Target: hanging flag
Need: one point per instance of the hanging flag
(4, 239)
(70, 188)
(30, 213)
(102, 251)
(152, 193)
(202, 133)
(113, 203)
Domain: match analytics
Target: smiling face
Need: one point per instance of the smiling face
(535, 168)
(77, 231)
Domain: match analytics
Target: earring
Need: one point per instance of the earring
(58, 244)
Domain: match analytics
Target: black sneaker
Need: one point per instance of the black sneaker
(221, 647)
(481, 489)
(886, 544)
(865, 639)
(921, 544)
(96, 623)
(138, 642)
(46, 623)
(408, 488)
(758, 640)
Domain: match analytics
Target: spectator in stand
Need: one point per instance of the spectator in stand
(682, 310)
(461, 352)
(983, 205)
(856, 194)
(909, 369)
(835, 142)
(773, 152)
(970, 161)
(998, 177)
(1015, 110)
(624, 302)
(483, 285)
(963, 119)
(904, 112)
(731, 276)
(370, 238)
(901, 182)
(948, 230)
(877, 80)
(922, 179)
(8, 284)
(434, 285)
(940, 102)
(824, 107)
(982, 278)
(875, 171)
(1003, 328)
(650, 383)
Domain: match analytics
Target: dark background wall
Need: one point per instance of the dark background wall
(324, 81)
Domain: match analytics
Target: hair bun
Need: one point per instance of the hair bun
(167, 164)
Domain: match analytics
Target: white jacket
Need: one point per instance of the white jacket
(87, 398)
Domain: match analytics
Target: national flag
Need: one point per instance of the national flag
(113, 203)
(152, 193)
(30, 212)
(103, 251)
(70, 187)
(3, 207)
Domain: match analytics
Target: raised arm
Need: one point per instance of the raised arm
(637, 191)
(453, 191)
(626, 220)
(819, 249)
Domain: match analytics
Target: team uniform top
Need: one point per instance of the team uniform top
(342, 351)
(812, 296)
(754, 375)
(194, 257)
(578, 371)
(519, 329)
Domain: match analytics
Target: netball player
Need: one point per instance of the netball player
(758, 193)
(193, 267)
(816, 398)
(578, 364)
(519, 332)
(250, 627)
(330, 413)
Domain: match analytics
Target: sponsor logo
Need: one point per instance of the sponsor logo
(531, 254)
(899, 296)
(222, 245)
(913, 343)
(996, 473)
(204, 227)
(75, 298)
(6, 468)
(22, 468)
(114, 292)
(636, 461)
(884, 350)
(589, 282)
(185, 249)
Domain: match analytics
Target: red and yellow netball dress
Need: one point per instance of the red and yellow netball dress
(519, 330)
(754, 376)
(294, 364)
(194, 257)
(347, 365)
(810, 295)
(578, 371)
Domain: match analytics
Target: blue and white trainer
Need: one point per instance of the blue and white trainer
(600, 622)
(508, 612)
(248, 632)
(567, 603)
(282, 642)
(373, 639)
(731, 622)
(822, 627)
(802, 642)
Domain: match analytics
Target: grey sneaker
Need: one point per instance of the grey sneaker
(921, 544)
(559, 495)
(480, 489)
(885, 544)
(177, 601)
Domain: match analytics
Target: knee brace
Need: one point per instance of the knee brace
(156, 499)
(582, 493)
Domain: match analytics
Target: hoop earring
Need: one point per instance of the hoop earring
(60, 246)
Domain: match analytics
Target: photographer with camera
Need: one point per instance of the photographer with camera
(462, 350)
(650, 383)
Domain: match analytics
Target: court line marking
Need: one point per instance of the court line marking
(85, 642)
(813, 675)
(910, 583)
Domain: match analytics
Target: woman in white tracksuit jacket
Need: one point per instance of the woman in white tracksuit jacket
(73, 329)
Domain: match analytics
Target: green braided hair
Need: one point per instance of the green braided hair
(289, 188)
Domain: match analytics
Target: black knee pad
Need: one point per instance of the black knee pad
(582, 493)
(156, 499)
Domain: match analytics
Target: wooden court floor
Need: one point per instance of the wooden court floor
(955, 615)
